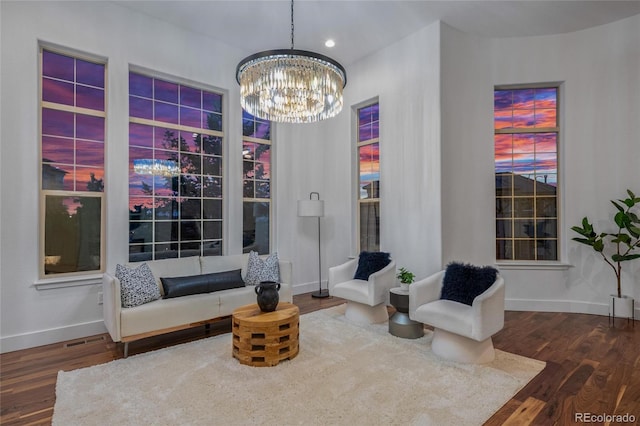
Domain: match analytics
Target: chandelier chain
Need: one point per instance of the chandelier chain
(291, 24)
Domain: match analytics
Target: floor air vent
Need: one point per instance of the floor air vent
(84, 341)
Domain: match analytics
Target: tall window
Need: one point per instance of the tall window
(175, 169)
(369, 178)
(526, 170)
(256, 180)
(72, 137)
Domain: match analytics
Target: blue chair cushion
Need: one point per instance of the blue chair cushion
(463, 283)
(370, 262)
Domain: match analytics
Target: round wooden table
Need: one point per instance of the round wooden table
(263, 339)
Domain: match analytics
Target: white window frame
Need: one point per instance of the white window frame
(269, 200)
(78, 277)
(179, 128)
(561, 255)
(357, 144)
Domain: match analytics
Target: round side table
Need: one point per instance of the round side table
(263, 339)
(400, 324)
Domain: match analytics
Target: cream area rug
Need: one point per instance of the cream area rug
(344, 375)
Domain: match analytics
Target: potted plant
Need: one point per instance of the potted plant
(616, 247)
(406, 277)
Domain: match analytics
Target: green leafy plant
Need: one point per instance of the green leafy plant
(626, 240)
(405, 276)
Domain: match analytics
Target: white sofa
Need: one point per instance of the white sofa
(166, 315)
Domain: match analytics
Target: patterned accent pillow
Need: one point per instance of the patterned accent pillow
(137, 286)
(259, 270)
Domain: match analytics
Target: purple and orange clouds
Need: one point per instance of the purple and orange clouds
(524, 108)
(72, 142)
(368, 122)
(531, 154)
(369, 162)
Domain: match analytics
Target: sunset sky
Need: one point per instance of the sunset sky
(368, 129)
(530, 154)
(73, 142)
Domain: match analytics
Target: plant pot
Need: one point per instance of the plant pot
(404, 286)
(621, 307)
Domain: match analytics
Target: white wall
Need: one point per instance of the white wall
(600, 68)
(467, 149)
(405, 79)
(30, 317)
(437, 201)
(316, 157)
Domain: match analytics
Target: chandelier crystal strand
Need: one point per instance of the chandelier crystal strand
(291, 86)
(166, 168)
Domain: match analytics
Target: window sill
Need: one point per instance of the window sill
(63, 282)
(540, 265)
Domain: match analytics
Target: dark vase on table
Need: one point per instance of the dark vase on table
(268, 296)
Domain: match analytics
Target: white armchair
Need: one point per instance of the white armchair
(462, 333)
(366, 300)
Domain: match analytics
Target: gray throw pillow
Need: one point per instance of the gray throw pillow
(259, 270)
(137, 286)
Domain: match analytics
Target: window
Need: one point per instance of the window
(72, 138)
(368, 146)
(256, 175)
(175, 169)
(526, 172)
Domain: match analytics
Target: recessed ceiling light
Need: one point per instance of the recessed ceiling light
(329, 43)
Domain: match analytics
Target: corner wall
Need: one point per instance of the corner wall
(405, 78)
(599, 153)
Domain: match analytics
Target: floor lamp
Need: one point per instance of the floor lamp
(314, 208)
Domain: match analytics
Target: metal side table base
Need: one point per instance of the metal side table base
(400, 324)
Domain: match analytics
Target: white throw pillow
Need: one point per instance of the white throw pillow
(262, 269)
(137, 286)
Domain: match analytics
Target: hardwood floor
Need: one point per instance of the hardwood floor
(591, 367)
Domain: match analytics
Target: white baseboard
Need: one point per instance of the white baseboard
(52, 335)
(571, 306)
(307, 287)
(77, 331)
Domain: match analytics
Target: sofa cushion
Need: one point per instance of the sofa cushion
(370, 262)
(205, 283)
(169, 313)
(258, 269)
(210, 264)
(463, 283)
(137, 285)
(173, 267)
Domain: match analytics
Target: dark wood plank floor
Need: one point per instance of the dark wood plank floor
(591, 367)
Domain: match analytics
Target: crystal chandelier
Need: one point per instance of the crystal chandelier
(166, 168)
(290, 85)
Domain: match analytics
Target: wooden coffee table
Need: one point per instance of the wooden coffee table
(263, 339)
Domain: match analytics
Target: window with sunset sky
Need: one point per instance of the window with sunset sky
(526, 140)
(256, 184)
(72, 139)
(368, 145)
(175, 169)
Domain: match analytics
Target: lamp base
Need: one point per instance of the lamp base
(320, 294)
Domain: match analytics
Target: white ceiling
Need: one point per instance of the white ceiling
(360, 27)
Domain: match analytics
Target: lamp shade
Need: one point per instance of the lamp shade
(310, 208)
